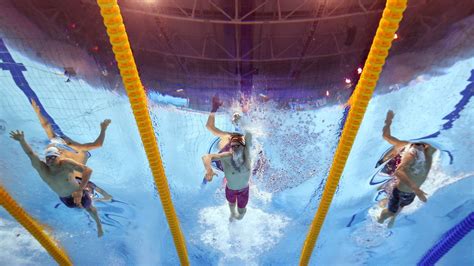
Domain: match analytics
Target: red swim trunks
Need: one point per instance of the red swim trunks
(242, 196)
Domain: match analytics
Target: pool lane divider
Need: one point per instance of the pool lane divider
(389, 23)
(35, 228)
(448, 241)
(118, 37)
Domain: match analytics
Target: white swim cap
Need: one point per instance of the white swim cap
(51, 151)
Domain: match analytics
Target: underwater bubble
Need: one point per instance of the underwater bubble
(3, 126)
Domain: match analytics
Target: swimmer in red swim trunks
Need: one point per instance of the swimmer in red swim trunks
(237, 169)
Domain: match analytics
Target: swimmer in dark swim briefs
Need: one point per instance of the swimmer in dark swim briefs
(59, 174)
(411, 173)
(71, 149)
(87, 195)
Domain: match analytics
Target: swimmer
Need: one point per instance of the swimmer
(224, 136)
(237, 168)
(71, 149)
(410, 174)
(59, 174)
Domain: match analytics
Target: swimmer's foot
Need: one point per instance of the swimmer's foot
(384, 215)
(391, 222)
(105, 198)
(392, 219)
(100, 233)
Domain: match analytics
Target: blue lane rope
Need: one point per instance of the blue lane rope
(448, 240)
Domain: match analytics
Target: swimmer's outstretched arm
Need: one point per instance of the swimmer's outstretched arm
(387, 134)
(92, 145)
(207, 159)
(248, 146)
(211, 120)
(210, 125)
(35, 160)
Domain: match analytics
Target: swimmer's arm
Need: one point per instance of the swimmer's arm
(34, 158)
(211, 126)
(248, 146)
(92, 145)
(387, 134)
(208, 158)
(86, 171)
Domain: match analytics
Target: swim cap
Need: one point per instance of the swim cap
(236, 116)
(51, 151)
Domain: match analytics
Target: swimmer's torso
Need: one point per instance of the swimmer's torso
(418, 169)
(78, 156)
(236, 179)
(62, 180)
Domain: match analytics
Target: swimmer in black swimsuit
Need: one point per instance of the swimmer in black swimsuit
(59, 174)
(411, 173)
(71, 149)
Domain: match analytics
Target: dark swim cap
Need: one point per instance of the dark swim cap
(237, 138)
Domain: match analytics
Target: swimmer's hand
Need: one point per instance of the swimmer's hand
(389, 118)
(209, 175)
(105, 124)
(421, 195)
(77, 195)
(216, 103)
(17, 135)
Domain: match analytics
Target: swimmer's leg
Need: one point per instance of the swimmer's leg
(93, 212)
(44, 122)
(384, 215)
(392, 219)
(47, 125)
(106, 197)
(383, 203)
(381, 187)
(233, 213)
(242, 212)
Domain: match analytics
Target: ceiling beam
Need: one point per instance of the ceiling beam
(207, 16)
(263, 60)
(296, 69)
